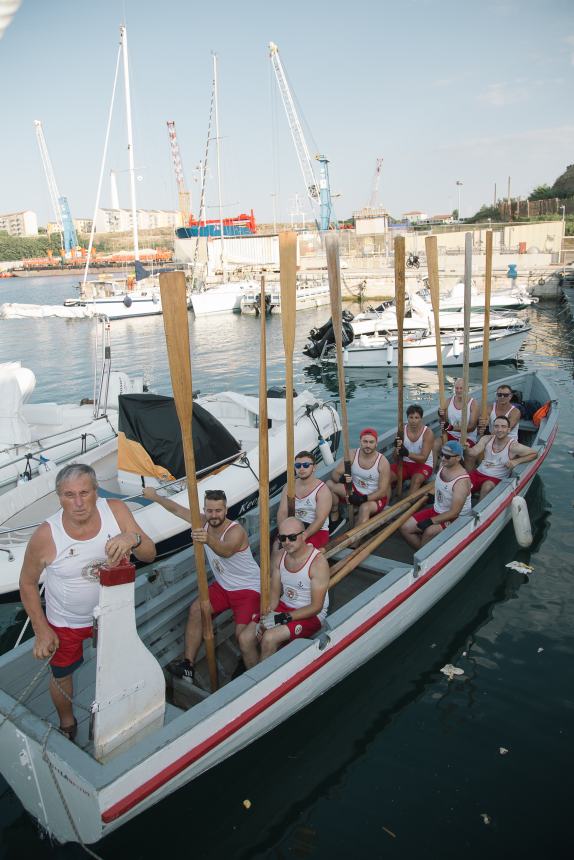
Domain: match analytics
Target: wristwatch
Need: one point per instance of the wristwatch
(138, 540)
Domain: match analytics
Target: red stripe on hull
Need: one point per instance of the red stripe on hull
(143, 791)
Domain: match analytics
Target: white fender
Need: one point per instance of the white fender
(456, 347)
(389, 353)
(130, 686)
(326, 452)
(521, 521)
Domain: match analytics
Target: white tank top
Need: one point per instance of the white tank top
(236, 573)
(416, 447)
(493, 416)
(443, 494)
(297, 586)
(454, 416)
(365, 480)
(71, 591)
(495, 463)
(306, 507)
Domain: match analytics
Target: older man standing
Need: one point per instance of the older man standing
(69, 546)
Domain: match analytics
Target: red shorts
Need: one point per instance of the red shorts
(243, 603)
(70, 653)
(380, 503)
(426, 514)
(412, 469)
(477, 479)
(454, 438)
(319, 539)
(300, 629)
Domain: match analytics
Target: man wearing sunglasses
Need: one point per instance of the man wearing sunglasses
(501, 455)
(299, 596)
(452, 498)
(501, 406)
(312, 501)
(370, 479)
(236, 573)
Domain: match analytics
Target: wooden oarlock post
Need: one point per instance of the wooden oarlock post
(434, 286)
(466, 346)
(175, 321)
(334, 272)
(288, 281)
(486, 337)
(264, 558)
(400, 307)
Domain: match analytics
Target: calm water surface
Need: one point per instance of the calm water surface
(396, 761)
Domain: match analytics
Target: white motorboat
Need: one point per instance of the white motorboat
(220, 299)
(420, 351)
(38, 437)
(311, 293)
(517, 297)
(123, 465)
(148, 741)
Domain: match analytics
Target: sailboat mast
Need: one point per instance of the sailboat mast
(218, 142)
(124, 42)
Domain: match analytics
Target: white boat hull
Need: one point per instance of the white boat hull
(504, 346)
(222, 299)
(308, 295)
(102, 797)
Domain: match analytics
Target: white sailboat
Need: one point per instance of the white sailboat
(227, 296)
(126, 297)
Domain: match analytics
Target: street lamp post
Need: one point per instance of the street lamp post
(563, 231)
(459, 184)
(273, 196)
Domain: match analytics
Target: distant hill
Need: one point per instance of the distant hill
(564, 185)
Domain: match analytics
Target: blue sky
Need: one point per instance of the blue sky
(442, 90)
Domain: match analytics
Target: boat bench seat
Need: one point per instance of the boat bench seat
(527, 426)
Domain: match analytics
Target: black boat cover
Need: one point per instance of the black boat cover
(149, 437)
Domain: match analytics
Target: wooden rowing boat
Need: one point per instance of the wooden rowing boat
(77, 796)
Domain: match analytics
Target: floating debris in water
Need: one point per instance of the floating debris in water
(390, 832)
(520, 567)
(247, 804)
(450, 671)
(502, 750)
(486, 818)
(464, 653)
(540, 650)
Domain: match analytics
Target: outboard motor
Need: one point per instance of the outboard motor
(325, 336)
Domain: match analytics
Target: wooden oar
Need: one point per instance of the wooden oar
(486, 338)
(175, 321)
(264, 557)
(400, 306)
(466, 347)
(334, 272)
(340, 570)
(288, 279)
(434, 286)
(341, 541)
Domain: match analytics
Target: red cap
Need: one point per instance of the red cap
(368, 431)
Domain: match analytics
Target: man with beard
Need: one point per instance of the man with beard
(236, 573)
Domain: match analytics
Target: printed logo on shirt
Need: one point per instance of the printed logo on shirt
(216, 564)
(72, 552)
(291, 593)
(91, 570)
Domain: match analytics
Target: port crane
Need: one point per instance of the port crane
(319, 192)
(60, 204)
(183, 194)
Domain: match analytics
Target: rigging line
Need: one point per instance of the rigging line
(203, 182)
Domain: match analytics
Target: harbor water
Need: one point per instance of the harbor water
(397, 760)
